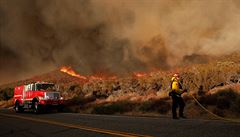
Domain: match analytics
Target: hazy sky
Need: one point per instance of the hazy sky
(117, 36)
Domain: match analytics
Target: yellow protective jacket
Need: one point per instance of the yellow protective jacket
(176, 86)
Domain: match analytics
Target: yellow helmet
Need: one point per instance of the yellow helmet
(175, 77)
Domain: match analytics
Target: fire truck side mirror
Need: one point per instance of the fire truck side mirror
(57, 87)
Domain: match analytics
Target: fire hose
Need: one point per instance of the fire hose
(211, 113)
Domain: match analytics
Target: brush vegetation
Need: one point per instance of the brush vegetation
(148, 94)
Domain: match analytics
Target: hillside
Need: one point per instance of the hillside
(53, 76)
(147, 93)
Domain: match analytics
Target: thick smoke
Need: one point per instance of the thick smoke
(110, 35)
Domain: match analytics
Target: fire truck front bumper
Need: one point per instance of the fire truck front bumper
(51, 102)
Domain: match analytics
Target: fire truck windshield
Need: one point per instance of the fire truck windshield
(45, 86)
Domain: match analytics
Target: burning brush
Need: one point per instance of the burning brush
(71, 72)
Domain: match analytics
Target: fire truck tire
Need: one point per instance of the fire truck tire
(36, 107)
(18, 108)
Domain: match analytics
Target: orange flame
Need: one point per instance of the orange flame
(138, 74)
(102, 77)
(71, 72)
(95, 78)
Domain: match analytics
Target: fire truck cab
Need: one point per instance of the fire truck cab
(38, 96)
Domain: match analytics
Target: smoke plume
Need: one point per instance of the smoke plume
(110, 35)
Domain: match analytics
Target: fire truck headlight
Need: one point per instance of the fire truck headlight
(61, 98)
(46, 97)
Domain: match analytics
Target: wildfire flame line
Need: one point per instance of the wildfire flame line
(138, 74)
(71, 72)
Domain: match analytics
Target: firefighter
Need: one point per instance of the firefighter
(177, 100)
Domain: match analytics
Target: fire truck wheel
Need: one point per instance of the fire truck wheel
(36, 107)
(18, 108)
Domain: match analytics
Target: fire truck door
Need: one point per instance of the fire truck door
(24, 91)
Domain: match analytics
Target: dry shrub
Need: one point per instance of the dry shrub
(161, 106)
(72, 109)
(223, 103)
(235, 107)
(6, 94)
(6, 103)
(113, 108)
(223, 100)
(218, 112)
(79, 100)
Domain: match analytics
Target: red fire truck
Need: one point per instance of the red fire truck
(39, 97)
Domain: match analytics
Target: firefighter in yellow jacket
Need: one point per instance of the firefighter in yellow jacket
(177, 100)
